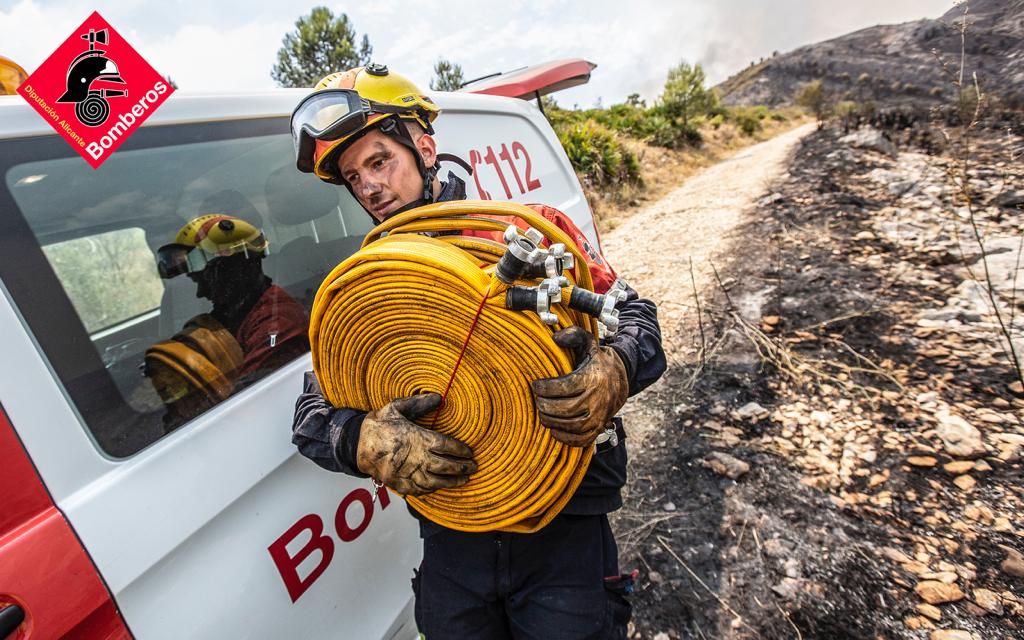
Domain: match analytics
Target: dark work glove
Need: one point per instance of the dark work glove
(406, 457)
(578, 406)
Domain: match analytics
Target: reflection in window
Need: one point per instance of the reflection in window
(109, 277)
(253, 327)
(155, 352)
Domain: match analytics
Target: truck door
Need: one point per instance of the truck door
(201, 517)
(48, 586)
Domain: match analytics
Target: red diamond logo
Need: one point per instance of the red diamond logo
(95, 90)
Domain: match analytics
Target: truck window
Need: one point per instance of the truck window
(101, 302)
(142, 353)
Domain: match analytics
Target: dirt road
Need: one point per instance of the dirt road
(652, 249)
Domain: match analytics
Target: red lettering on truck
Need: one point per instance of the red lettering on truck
(347, 530)
(525, 181)
(288, 565)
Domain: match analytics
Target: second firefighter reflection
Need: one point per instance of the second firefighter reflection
(254, 326)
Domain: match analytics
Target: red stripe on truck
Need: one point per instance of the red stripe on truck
(43, 567)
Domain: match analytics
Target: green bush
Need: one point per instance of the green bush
(652, 125)
(657, 125)
(597, 154)
(748, 119)
(814, 98)
(749, 125)
(623, 118)
(665, 131)
(846, 109)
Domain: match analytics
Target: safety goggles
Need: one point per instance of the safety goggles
(173, 260)
(331, 114)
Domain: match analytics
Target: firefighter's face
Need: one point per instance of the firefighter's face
(383, 173)
(220, 282)
(206, 281)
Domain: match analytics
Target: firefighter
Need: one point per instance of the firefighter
(223, 255)
(370, 130)
(194, 370)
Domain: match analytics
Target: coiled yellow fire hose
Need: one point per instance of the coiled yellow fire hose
(393, 320)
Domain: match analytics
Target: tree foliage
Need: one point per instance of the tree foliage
(811, 96)
(109, 277)
(321, 44)
(685, 95)
(447, 76)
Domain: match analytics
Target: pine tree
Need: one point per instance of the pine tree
(447, 76)
(321, 44)
(685, 95)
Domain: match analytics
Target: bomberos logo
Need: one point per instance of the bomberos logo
(95, 90)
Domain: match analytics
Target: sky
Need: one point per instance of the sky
(231, 45)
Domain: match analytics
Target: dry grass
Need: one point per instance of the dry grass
(663, 169)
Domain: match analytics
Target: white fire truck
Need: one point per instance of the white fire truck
(112, 526)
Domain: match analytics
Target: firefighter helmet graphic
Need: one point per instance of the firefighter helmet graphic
(91, 106)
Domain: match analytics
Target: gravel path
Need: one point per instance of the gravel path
(651, 249)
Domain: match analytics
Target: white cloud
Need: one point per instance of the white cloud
(209, 58)
(233, 44)
(32, 32)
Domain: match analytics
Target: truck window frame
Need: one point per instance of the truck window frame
(38, 295)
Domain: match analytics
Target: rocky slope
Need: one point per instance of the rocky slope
(898, 63)
(836, 450)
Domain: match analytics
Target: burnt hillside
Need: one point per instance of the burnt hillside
(896, 64)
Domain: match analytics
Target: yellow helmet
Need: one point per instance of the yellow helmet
(206, 238)
(11, 76)
(201, 362)
(346, 105)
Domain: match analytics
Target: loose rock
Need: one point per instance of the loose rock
(751, 411)
(870, 138)
(951, 634)
(917, 622)
(989, 601)
(726, 465)
(965, 482)
(788, 588)
(958, 467)
(929, 611)
(935, 592)
(896, 555)
(1013, 565)
(959, 437)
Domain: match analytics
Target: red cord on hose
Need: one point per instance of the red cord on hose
(462, 352)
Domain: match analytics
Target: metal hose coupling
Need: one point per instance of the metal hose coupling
(541, 297)
(600, 306)
(523, 254)
(556, 260)
(538, 299)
